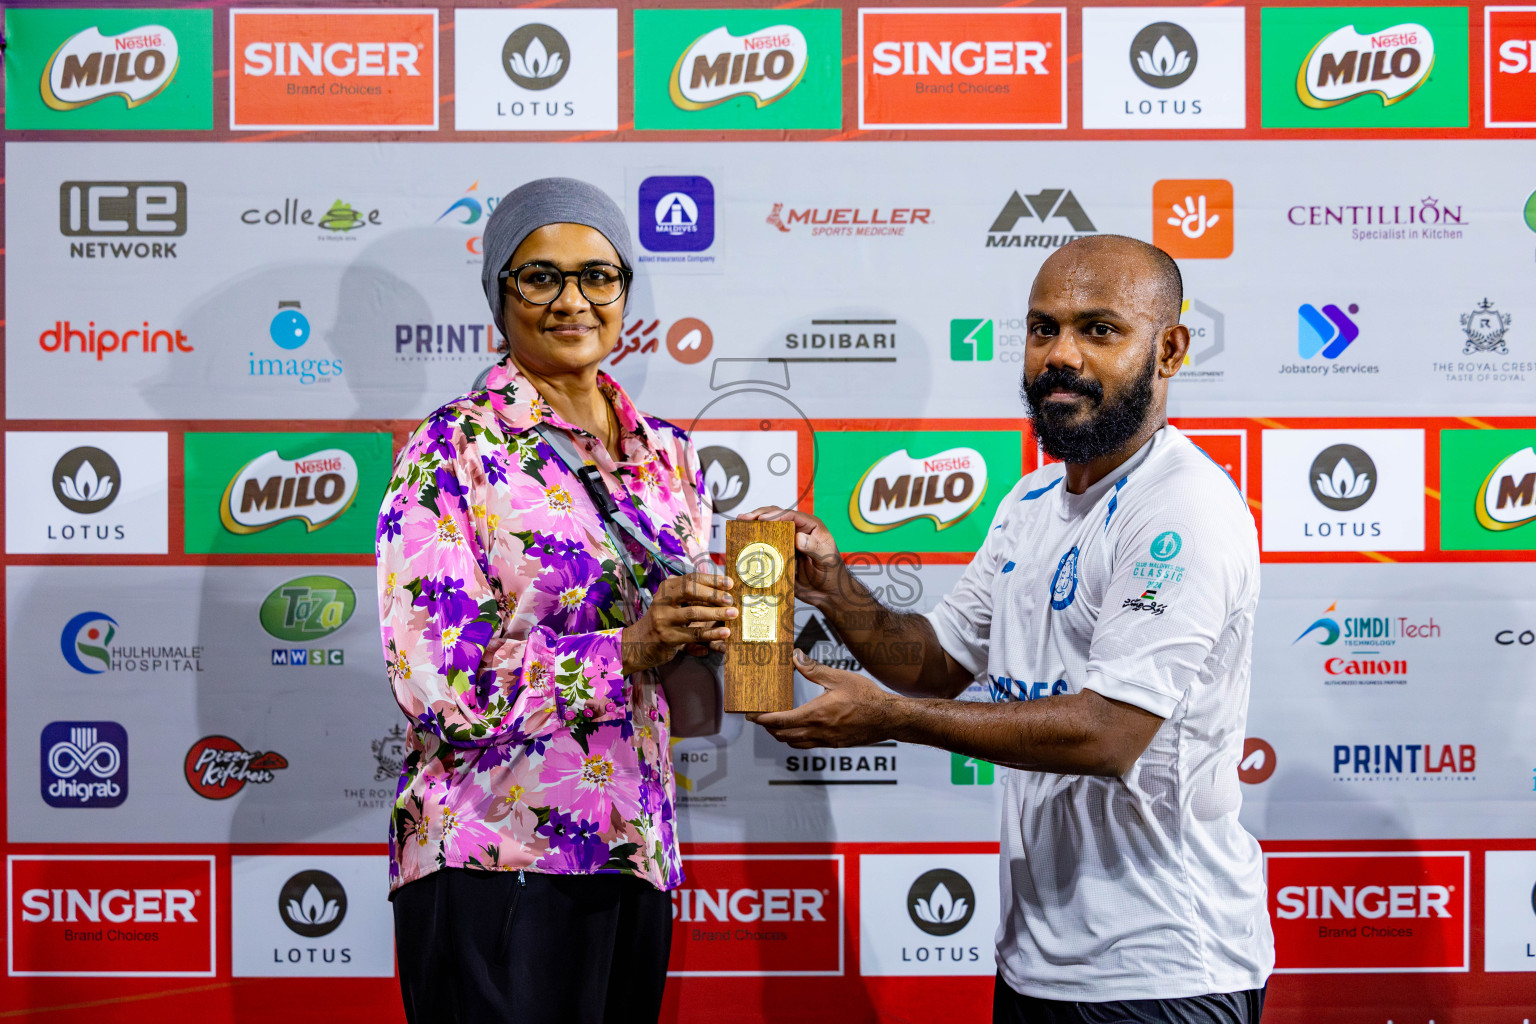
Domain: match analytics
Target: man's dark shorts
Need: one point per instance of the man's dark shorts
(1008, 1007)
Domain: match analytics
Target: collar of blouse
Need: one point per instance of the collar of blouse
(519, 405)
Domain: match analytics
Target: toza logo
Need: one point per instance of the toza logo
(1507, 497)
(1342, 477)
(718, 66)
(271, 489)
(136, 65)
(1328, 332)
(899, 488)
(312, 903)
(86, 480)
(84, 764)
(536, 57)
(1347, 64)
(941, 902)
(307, 608)
(1164, 55)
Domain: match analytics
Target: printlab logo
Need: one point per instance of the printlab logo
(84, 764)
(1164, 55)
(1193, 219)
(1258, 761)
(312, 903)
(216, 767)
(122, 209)
(536, 57)
(677, 213)
(1342, 477)
(1484, 328)
(86, 480)
(86, 642)
(941, 902)
(1326, 332)
(1045, 206)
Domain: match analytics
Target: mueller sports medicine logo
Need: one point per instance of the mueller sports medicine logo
(89, 66)
(270, 489)
(1507, 497)
(217, 767)
(764, 65)
(84, 764)
(122, 209)
(1045, 207)
(1346, 64)
(849, 221)
(899, 488)
(759, 916)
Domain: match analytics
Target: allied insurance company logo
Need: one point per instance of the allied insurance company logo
(962, 68)
(314, 489)
(1045, 207)
(217, 767)
(943, 488)
(677, 213)
(142, 212)
(88, 67)
(84, 764)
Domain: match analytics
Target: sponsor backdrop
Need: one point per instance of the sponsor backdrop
(241, 262)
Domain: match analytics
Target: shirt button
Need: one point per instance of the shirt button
(569, 714)
(588, 712)
(652, 713)
(610, 707)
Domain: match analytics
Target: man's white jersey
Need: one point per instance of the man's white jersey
(1142, 589)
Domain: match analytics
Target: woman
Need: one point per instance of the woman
(532, 842)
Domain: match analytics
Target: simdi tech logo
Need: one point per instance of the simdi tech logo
(296, 493)
(738, 69)
(1364, 67)
(321, 69)
(962, 67)
(93, 69)
(1488, 490)
(1509, 67)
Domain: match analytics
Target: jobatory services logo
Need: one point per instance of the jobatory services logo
(1509, 67)
(276, 492)
(315, 69)
(1343, 490)
(1193, 218)
(738, 69)
(962, 67)
(1163, 67)
(759, 915)
(84, 764)
(1323, 332)
(1364, 67)
(849, 221)
(113, 915)
(86, 643)
(927, 914)
(217, 767)
(108, 490)
(93, 69)
(535, 71)
(1488, 490)
(144, 213)
(1045, 208)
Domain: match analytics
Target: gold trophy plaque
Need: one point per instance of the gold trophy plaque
(759, 656)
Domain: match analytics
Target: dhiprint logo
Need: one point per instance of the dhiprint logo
(970, 341)
(1043, 206)
(1343, 477)
(271, 489)
(84, 764)
(1327, 332)
(1257, 763)
(1347, 64)
(1507, 497)
(1193, 219)
(86, 642)
(536, 57)
(1164, 55)
(677, 213)
(941, 902)
(122, 209)
(216, 767)
(136, 65)
(312, 903)
(764, 65)
(86, 480)
(899, 488)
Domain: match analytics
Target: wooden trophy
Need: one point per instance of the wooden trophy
(759, 656)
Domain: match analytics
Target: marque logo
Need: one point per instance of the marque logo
(1043, 205)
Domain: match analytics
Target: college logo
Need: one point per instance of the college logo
(1341, 67)
(118, 209)
(1193, 219)
(899, 488)
(216, 767)
(1484, 328)
(1343, 477)
(84, 764)
(962, 68)
(1163, 67)
(86, 480)
(1509, 66)
(738, 69)
(271, 489)
(941, 902)
(1044, 206)
(759, 915)
(333, 70)
(1257, 763)
(1371, 912)
(1488, 490)
(338, 220)
(677, 214)
(1326, 332)
(312, 903)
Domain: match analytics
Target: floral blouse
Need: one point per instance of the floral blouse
(501, 599)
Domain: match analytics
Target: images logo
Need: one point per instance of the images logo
(1164, 55)
(108, 209)
(1343, 477)
(86, 642)
(84, 764)
(1347, 64)
(308, 608)
(1193, 219)
(217, 767)
(289, 330)
(677, 214)
(941, 901)
(961, 68)
(1328, 332)
(136, 65)
(898, 489)
(1048, 204)
(312, 903)
(536, 57)
(1507, 497)
(1509, 66)
(970, 341)
(86, 480)
(271, 489)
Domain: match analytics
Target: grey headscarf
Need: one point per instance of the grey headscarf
(546, 201)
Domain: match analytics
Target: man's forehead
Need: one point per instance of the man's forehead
(1101, 281)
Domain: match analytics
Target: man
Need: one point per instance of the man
(1125, 579)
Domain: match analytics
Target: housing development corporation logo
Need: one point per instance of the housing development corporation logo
(1044, 207)
(84, 764)
(217, 767)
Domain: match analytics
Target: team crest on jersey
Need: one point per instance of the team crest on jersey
(1064, 583)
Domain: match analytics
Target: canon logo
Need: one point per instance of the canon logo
(115, 905)
(1366, 666)
(966, 58)
(747, 905)
(1367, 901)
(341, 60)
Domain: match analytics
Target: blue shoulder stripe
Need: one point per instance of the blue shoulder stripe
(1114, 501)
(1037, 492)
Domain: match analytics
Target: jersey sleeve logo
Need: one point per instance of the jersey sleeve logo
(1064, 582)
(1166, 546)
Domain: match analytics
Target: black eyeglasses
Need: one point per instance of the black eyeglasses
(541, 283)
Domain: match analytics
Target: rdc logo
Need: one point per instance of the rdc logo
(84, 764)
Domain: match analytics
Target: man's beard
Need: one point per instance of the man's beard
(1108, 426)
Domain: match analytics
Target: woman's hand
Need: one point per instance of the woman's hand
(689, 609)
(820, 575)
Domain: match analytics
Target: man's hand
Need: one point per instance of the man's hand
(687, 610)
(819, 570)
(850, 712)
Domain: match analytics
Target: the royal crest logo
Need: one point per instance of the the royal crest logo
(270, 489)
(765, 65)
(899, 489)
(1347, 64)
(1484, 328)
(136, 65)
(389, 755)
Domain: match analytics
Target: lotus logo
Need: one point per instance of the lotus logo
(726, 477)
(1343, 477)
(536, 57)
(898, 489)
(1348, 64)
(86, 480)
(1507, 498)
(135, 65)
(1163, 55)
(312, 903)
(718, 66)
(941, 902)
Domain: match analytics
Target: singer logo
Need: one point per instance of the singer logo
(1509, 66)
(898, 489)
(271, 489)
(333, 70)
(759, 916)
(1369, 912)
(124, 915)
(84, 764)
(135, 65)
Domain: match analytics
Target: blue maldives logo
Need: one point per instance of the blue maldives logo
(1328, 331)
(677, 213)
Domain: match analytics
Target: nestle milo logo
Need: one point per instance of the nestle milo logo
(270, 489)
(308, 608)
(899, 488)
(89, 66)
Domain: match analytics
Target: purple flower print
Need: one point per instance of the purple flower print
(457, 646)
(389, 525)
(568, 596)
(597, 781)
(495, 468)
(575, 845)
(448, 484)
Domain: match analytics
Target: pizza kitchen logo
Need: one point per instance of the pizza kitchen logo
(136, 65)
(315, 489)
(899, 489)
(217, 767)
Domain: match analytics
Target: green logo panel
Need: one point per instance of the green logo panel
(738, 69)
(1487, 490)
(914, 490)
(284, 493)
(1341, 67)
(970, 340)
(133, 68)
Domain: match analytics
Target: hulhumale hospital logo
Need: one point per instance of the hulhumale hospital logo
(86, 642)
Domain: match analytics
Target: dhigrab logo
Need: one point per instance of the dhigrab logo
(84, 764)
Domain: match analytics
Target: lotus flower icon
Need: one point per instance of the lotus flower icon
(85, 485)
(313, 909)
(722, 486)
(1164, 55)
(536, 61)
(1343, 483)
(941, 907)
(536, 56)
(941, 902)
(1343, 477)
(312, 903)
(1163, 61)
